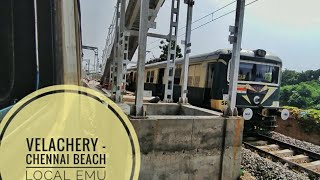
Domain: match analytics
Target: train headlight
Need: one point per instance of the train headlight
(247, 114)
(256, 99)
(285, 114)
(260, 52)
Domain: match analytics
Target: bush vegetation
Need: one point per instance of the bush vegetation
(309, 120)
(305, 95)
(300, 89)
(291, 77)
(300, 93)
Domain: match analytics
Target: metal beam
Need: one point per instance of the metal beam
(187, 50)
(133, 32)
(90, 48)
(160, 36)
(172, 47)
(152, 25)
(108, 52)
(115, 51)
(134, 15)
(155, 5)
(154, 35)
(236, 32)
(141, 56)
(120, 55)
(95, 60)
(156, 10)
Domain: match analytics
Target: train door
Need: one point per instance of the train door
(130, 82)
(160, 86)
(210, 75)
(210, 83)
(219, 86)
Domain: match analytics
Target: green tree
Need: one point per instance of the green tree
(296, 100)
(303, 95)
(164, 50)
(285, 94)
(304, 90)
(289, 77)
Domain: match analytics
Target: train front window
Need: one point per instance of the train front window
(258, 73)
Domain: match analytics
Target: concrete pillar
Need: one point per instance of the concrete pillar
(235, 39)
(143, 30)
(187, 50)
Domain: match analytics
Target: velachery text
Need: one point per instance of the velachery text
(62, 144)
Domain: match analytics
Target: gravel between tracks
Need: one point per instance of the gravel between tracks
(262, 168)
(296, 142)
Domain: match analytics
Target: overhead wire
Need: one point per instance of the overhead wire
(200, 18)
(157, 40)
(210, 13)
(214, 19)
(225, 6)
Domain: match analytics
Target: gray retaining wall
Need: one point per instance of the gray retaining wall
(188, 143)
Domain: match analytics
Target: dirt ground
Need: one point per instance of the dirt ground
(291, 128)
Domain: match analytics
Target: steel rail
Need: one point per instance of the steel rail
(311, 154)
(292, 165)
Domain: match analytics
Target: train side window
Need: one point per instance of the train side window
(131, 77)
(228, 71)
(148, 77)
(196, 81)
(190, 80)
(210, 75)
(177, 76)
(151, 77)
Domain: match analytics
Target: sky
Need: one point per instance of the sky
(289, 29)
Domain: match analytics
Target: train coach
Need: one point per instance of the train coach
(258, 88)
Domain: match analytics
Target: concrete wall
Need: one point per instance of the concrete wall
(189, 146)
(173, 109)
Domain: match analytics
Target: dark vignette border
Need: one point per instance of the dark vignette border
(82, 93)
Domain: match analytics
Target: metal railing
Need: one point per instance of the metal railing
(109, 41)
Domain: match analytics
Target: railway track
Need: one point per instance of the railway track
(297, 158)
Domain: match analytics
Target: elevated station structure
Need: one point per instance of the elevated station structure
(129, 31)
(129, 27)
(125, 26)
